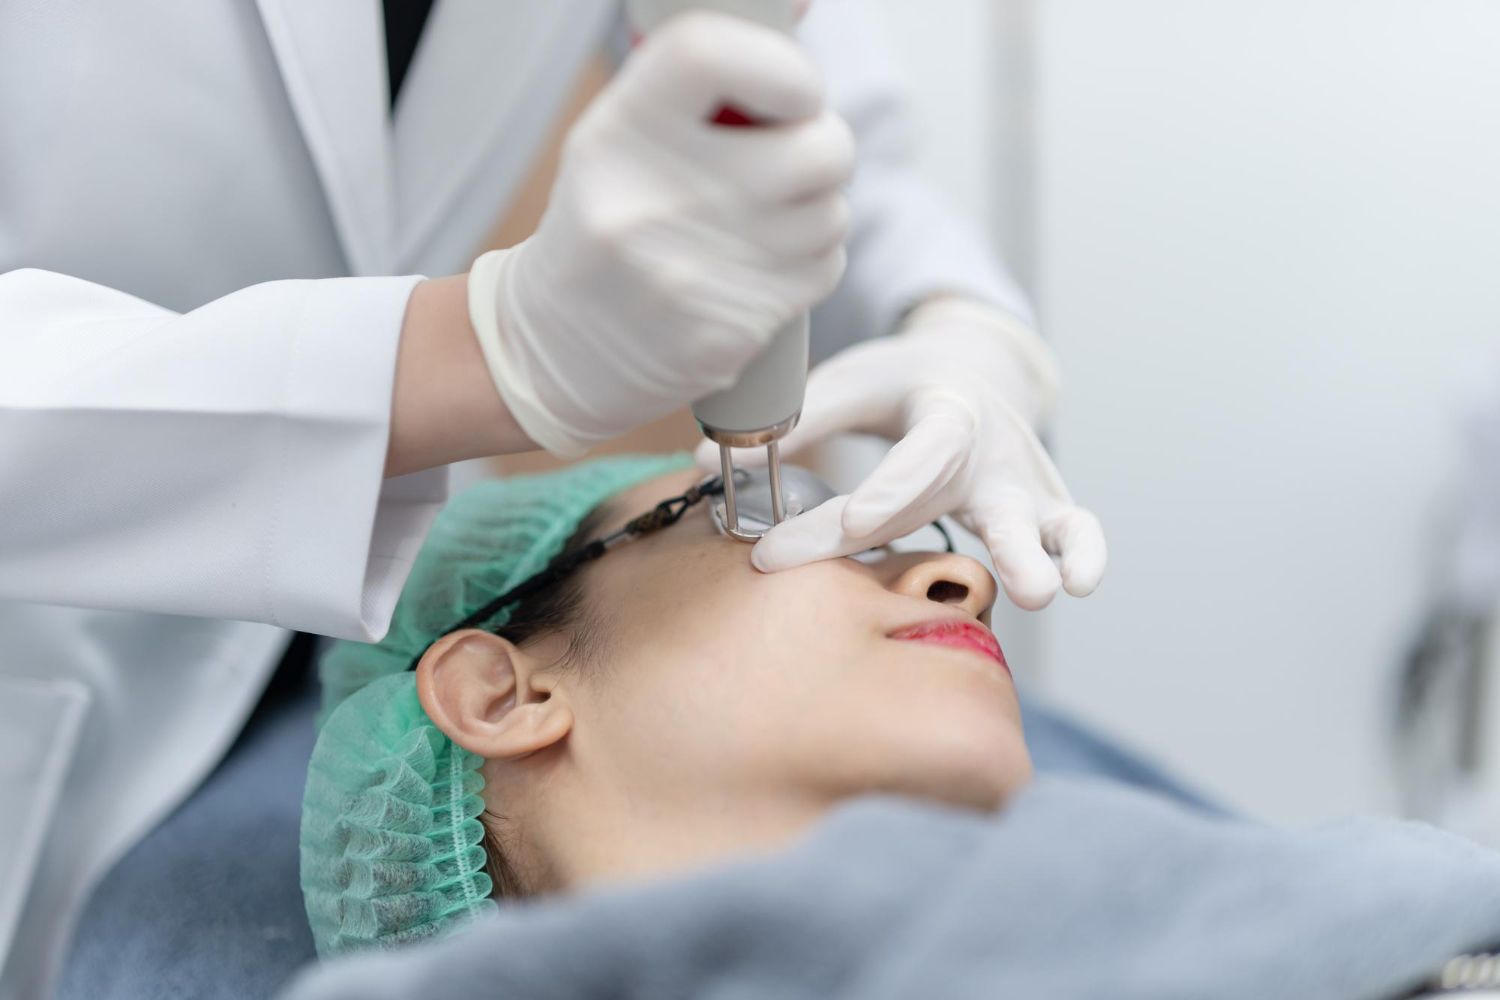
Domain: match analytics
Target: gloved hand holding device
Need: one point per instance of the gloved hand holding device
(959, 389)
(671, 250)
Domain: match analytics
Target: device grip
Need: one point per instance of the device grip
(768, 395)
(769, 390)
(779, 14)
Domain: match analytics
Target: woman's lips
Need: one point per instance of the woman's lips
(956, 635)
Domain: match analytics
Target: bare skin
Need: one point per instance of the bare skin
(726, 710)
(445, 407)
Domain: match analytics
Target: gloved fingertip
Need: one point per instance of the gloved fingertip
(1031, 600)
(1031, 590)
(860, 520)
(1084, 555)
(1076, 587)
(768, 559)
(806, 538)
(1081, 576)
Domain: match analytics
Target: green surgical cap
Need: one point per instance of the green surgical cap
(391, 839)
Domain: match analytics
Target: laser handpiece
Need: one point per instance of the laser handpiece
(763, 406)
(796, 491)
(758, 410)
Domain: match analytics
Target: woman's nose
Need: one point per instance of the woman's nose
(944, 578)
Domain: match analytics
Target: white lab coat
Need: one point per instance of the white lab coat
(201, 205)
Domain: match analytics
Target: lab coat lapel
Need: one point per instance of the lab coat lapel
(332, 60)
(478, 100)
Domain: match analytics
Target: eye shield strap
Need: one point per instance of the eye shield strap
(664, 514)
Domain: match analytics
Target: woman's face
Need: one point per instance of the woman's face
(717, 686)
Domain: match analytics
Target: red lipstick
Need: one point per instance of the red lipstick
(956, 635)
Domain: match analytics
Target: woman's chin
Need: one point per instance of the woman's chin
(975, 769)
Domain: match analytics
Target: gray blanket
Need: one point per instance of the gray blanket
(1078, 889)
(182, 916)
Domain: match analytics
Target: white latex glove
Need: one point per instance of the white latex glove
(672, 249)
(960, 387)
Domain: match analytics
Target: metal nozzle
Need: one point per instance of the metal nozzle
(757, 412)
(731, 516)
(773, 469)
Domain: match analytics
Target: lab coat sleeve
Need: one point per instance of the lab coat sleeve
(225, 462)
(906, 243)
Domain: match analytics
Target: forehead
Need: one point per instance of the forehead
(622, 507)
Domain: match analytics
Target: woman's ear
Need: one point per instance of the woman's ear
(489, 697)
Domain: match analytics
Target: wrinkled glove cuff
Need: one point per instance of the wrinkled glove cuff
(491, 293)
(1034, 359)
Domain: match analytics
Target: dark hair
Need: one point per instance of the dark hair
(558, 608)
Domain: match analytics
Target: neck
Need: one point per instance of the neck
(576, 835)
(627, 845)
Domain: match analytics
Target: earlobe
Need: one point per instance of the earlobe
(489, 698)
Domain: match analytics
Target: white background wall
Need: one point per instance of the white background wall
(947, 53)
(1265, 247)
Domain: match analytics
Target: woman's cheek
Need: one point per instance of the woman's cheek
(809, 618)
